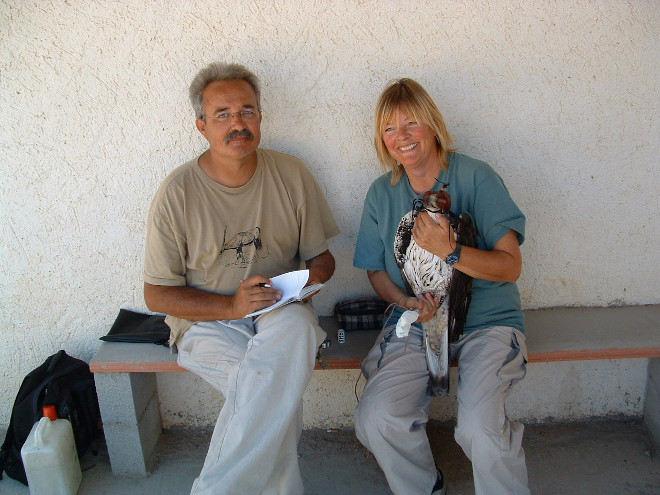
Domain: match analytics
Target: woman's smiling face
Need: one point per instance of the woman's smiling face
(409, 142)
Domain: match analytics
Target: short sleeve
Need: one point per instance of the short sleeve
(495, 211)
(164, 249)
(317, 223)
(369, 249)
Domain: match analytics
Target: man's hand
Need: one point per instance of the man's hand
(254, 293)
(200, 305)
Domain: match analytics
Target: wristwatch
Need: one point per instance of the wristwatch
(453, 258)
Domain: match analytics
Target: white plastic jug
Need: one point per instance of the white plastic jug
(50, 458)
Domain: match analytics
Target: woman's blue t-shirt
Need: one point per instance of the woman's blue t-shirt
(476, 189)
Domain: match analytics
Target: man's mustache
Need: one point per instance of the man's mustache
(236, 133)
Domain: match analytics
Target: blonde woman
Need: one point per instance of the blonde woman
(415, 149)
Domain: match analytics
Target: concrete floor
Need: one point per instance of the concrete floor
(596, 456)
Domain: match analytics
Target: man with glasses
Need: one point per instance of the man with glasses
(219, 226)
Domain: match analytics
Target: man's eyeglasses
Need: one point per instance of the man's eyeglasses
(246, 115)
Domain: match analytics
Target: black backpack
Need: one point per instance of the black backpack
(68, 384)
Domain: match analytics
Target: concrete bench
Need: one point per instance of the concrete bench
(128, 397)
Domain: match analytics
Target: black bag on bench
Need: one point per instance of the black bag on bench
(131, 326)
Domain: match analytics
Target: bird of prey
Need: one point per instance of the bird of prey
(424, 272)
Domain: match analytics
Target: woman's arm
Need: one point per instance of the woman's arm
(502, 264)
(426, 305)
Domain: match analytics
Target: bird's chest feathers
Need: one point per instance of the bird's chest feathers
(424, 271)
(429, 272)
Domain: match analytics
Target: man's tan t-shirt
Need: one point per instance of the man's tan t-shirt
(202, 234)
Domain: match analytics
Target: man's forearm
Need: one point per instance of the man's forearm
(321, 268)
(189, 303)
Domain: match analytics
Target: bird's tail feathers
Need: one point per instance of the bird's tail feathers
(460, 290)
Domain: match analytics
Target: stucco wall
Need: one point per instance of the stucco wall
(561, 97)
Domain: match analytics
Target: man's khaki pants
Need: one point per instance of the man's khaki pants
(262, 369)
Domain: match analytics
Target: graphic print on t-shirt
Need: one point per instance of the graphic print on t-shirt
(243, 249)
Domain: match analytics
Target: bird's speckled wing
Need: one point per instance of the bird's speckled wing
(423, 272)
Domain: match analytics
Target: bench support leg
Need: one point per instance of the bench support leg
(652, 402)
(131, 420)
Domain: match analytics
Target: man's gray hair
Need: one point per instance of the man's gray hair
(220, 71)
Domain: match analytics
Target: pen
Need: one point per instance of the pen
(264, 285)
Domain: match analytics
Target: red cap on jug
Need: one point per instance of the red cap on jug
(50, 412)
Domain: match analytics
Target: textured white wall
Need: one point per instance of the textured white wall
(561, 97)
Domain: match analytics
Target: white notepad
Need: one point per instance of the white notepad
(292, 285)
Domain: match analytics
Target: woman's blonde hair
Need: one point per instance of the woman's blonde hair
(409, 94)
